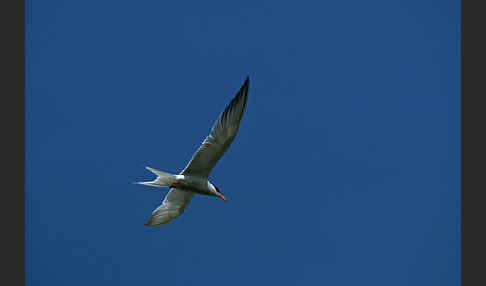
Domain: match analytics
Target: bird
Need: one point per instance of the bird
(193, 179)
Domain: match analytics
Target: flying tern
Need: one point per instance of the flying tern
(194, 178)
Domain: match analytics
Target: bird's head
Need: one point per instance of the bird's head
(218, 193)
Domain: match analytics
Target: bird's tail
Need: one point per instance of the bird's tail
(163, 179)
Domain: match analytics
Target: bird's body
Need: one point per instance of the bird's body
(194, 184)
(188, 183)
(194, 178)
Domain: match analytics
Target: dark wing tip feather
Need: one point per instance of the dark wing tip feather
(151, 222)
(245, 84)
(243, 92)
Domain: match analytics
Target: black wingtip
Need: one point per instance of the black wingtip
(149, 222)
(245, 84)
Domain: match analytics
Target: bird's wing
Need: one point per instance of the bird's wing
(174, 204)
(219, 139)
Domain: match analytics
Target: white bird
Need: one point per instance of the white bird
(194, 178)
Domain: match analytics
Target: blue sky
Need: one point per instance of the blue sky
(345, 170)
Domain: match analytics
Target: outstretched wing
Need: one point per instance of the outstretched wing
(174, 204)
(219, 139)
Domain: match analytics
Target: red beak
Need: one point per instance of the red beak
(222, 197)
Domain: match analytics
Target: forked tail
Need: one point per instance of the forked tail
(163, 179)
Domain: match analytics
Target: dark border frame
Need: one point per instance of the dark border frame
(473, 144)
(12, 210)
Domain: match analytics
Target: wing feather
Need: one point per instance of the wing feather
(175, 203)
(221, 136)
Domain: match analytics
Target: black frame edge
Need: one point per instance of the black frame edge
(12, 210)
(472, 143)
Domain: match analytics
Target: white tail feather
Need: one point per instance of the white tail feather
(163, 179)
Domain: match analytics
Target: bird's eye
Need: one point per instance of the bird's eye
(217, 189)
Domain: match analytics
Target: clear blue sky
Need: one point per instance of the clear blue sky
(345, 170)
